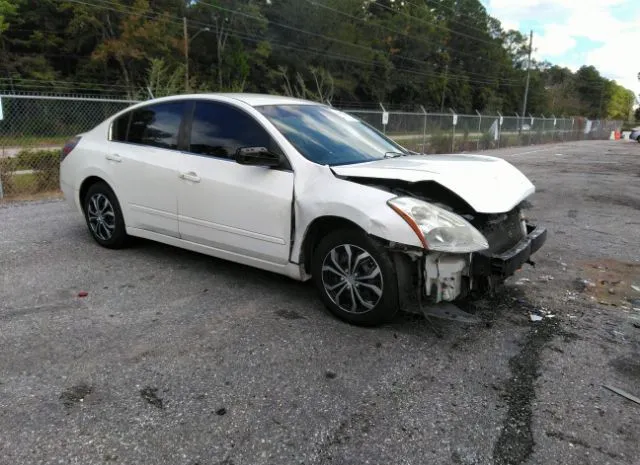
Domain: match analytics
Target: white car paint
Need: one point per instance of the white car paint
(488, 184)
(243, 209)
(258, 216)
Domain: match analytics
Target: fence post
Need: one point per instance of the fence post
(555, 121)
(500, 127)
(531, 127)
(424, 130)
(544, 128)
(453, 129)
(479, 129)
(385, 119)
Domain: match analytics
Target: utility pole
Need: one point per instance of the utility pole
(601, 101)
(186, 54)
(526, 89)
(444, 88)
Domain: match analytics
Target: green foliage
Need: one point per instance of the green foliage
(8, 8)
(486, 141)
(163, 81)
(30, 172)
(441, 54)
(440, 142)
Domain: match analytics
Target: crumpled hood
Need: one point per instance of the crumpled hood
(488, 184)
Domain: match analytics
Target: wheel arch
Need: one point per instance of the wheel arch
(87, 183)
(318, 228)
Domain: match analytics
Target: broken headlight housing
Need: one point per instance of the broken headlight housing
(439, 229)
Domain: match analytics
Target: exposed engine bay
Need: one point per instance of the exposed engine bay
(447, 277)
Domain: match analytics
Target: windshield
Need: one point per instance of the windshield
(330, 137)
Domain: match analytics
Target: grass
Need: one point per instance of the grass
(30, 186)
(47, 195)
(24, 183)
(32, 141)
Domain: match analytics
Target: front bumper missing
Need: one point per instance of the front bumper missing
(447, 277)
(508, 262)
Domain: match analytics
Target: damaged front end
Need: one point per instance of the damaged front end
(472, 227)
(466, 267)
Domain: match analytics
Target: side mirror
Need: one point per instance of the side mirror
(257, 156)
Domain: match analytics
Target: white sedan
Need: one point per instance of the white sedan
(301, 189)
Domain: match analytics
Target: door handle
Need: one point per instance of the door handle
(190, 176)
(114, 157)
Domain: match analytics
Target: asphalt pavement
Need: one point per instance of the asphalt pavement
(178, 358)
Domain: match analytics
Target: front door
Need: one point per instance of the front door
(242, 210)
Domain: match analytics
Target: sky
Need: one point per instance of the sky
(572, 33)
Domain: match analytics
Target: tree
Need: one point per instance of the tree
(8, 9)
(444, 53)
(620, 104)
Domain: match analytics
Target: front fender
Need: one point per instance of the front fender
(363, 205)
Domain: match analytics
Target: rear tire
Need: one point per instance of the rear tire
(356, 278)
(104, 217)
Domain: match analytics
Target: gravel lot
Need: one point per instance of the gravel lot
(178, 358)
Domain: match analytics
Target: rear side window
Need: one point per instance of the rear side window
(219, 130)
(119, 128)
(156, 125)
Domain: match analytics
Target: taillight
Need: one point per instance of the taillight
(69, 146)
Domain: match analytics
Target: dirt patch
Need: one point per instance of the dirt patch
(619, 200)
(75, 394)
(610, 281)
(628, 366)
(289, 315)
(575, 441)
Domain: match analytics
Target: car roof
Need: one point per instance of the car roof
(255, 100)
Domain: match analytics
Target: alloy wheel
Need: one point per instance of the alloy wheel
(101, 216)
(352, 278)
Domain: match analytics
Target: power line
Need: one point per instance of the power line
(439, 4)
(122, 9)
(56, 82)
(440, 45)
(333, 39)
(439, 26)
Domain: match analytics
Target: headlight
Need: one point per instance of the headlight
(437, 228)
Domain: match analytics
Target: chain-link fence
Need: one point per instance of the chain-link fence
(33, 130)
(451, 133)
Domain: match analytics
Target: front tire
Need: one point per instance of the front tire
(104, 217)
(356, 278)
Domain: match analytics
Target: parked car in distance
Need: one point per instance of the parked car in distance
(635, 134)
(301, 189)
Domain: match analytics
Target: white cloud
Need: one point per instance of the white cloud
(554, 42)
(560, 24)
(616, 58)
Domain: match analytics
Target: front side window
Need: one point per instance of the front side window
(156, 125)
(219, 130)
(330, 137)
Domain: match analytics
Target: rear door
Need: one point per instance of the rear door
(243, 210)
(145, 162)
